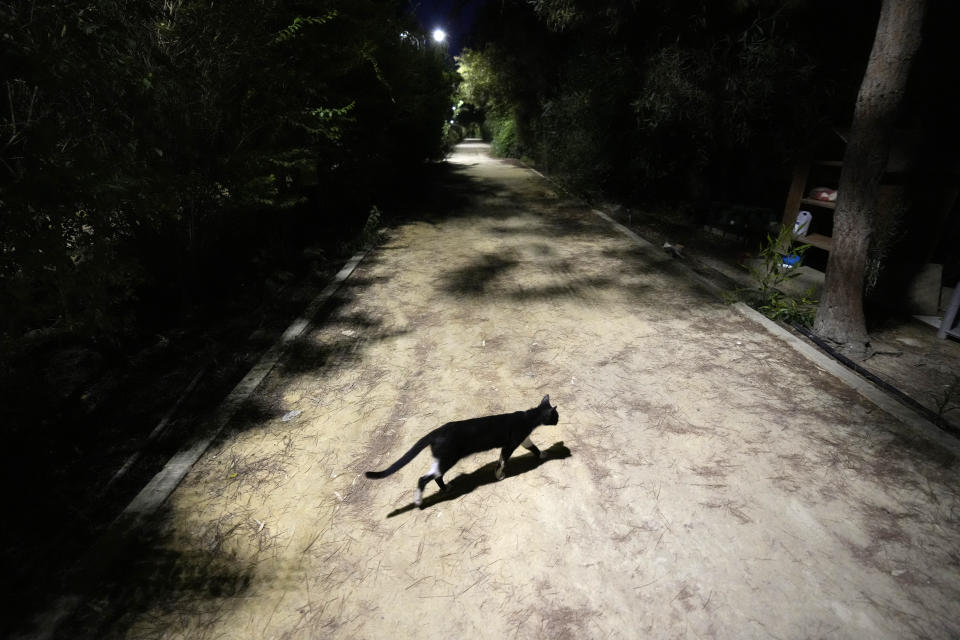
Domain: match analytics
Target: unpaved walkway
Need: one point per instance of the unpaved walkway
(704, 481)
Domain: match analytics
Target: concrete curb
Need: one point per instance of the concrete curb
(915, 423)
(918, 425)
(104, 550)
(163, 484)
(711, 286)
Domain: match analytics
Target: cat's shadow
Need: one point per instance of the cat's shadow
(467, 482)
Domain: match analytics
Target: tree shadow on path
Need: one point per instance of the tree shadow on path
(467, 482)
(478, 276)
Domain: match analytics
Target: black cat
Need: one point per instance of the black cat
(456, 440)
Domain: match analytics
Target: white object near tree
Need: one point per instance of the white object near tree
(802, 225)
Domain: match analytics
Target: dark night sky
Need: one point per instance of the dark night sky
(453, 16)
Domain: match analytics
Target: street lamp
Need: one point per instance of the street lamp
(439, 35)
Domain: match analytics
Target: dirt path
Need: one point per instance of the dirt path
(704, 481)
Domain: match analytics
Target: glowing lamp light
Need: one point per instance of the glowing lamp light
(439, 35)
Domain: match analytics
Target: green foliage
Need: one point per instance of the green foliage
(501, 84)
(780, 306)
(579, 131)
(295, 28)
(486, 80)
(566, 14)
(771, 273)
(505, 143)
(372, 225)
(725, 96)
(663, 100)
(452, 134)
(141, 144)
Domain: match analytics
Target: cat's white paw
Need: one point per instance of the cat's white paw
(418, 499)
(499, 473)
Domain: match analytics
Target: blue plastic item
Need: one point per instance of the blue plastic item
(791, 260)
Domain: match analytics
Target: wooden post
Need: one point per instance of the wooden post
(792, 207)
(950, 317)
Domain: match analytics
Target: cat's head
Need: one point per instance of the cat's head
(549, 415)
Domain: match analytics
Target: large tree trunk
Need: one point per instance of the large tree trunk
(840, 315)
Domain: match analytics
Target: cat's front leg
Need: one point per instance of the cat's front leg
(532, 448)
(504, 456)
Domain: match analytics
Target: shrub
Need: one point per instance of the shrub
(505, 143)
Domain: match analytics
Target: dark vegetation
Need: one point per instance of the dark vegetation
(662, 100)
(702, 109)
(174, 177)
(152, 148)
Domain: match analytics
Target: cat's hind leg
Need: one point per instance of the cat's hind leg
(532, 448)
(433, 474)
(444, 467)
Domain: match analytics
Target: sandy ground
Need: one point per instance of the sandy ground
(703, 481)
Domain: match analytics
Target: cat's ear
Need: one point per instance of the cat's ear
(545, 402)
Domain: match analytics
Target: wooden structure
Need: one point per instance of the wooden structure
(820, 166)
(797, 200)
(811, 173)
(948, 326)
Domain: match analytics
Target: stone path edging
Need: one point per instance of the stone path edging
(155, 493)
(916, 423)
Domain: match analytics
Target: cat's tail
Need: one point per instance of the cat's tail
(404, 459)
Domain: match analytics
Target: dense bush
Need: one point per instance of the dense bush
(668, 100)
(149, 146)
(504, 143)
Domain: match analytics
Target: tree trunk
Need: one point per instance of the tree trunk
(840, 315)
